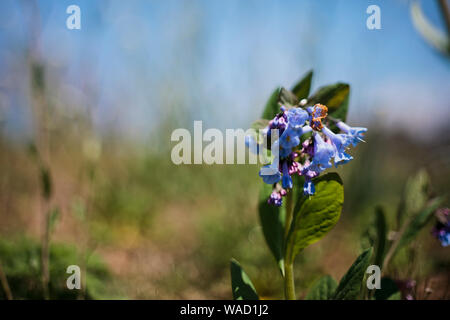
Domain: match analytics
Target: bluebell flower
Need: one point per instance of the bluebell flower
(355, 134)
(296, 117)
(442, 228)
(323, 152)
(286, 180)
(275, 199)
(308, 188)
(270, 174)
(340, 142)
(291, 136)
(284, 153)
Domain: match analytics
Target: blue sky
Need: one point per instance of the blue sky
(218, 61)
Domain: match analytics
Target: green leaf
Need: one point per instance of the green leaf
(272, 221)
(381, 229)
(322, 289)
(241, 284)
(316, 215)
(388, 289)
(340, 113)
(302, 88)
(333, 96)
(418, 222)
(416, 193)
(350, 285)
(288, 99)
(395, 296)
(272, 107)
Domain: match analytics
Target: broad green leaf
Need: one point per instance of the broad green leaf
(301, 89)
(332, 96)
(381, 230)
(418, 222)
(272, 107)
(322, 289)
(350, 285)
(241, 284)
(287, 98)
(272, 221)
(316, 215)
(388, 289)
(339, 114)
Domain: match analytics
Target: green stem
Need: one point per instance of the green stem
(289, 213)
(289, 286)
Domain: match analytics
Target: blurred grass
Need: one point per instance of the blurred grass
(167, 231)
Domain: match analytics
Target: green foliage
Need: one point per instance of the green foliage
(414, 211)
(302, 88)
(415, 195)
(20, 260)
(388, 289)
(350, 285)
(333, 96)
(241, 284)
(418, 222)
(315, 216)
(272, 221)
(322, 289)
(381, 237)
(288, 99)
(272, 107)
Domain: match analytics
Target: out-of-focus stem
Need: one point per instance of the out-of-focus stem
(5, 285)
(446, 14)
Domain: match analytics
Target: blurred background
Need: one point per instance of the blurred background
(85, 123)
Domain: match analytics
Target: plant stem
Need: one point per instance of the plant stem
(289, 286)
(289, 213)
(5, 285)
(445, 11)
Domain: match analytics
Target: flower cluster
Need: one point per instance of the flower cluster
(306, 147)
(442, 228)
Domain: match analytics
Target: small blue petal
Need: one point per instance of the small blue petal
(297, 117)
(287, 182)
(308, 188)
(323, 152)
(270, 175)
